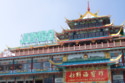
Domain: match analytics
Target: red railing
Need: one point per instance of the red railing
(71, 48)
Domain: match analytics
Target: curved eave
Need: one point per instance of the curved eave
(89, 39)
(118, 33)
(87, 63)
(84, 29)
(93, 62)
(76, 20)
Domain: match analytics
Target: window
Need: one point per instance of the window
(48, 80)
(82, 35)
(1, 68)
(71, 37)
(18, 67)
(26, 66)
(46, 65)
(37, 66)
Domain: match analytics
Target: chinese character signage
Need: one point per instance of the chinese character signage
(84, 76)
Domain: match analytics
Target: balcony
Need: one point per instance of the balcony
(70, 48)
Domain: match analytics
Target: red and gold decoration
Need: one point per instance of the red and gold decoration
(85, 56)
(87, 76)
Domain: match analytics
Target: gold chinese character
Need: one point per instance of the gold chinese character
(100, 73)
(93, 73)
(78, 74)
(72, 75)
(85, 74)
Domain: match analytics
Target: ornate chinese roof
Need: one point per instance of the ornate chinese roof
(89, 25)
(88, 62)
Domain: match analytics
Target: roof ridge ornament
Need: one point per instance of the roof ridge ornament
(112, 23)
(123, 23)
(88, 6)
(97, 12)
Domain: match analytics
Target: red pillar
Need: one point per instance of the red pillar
(123, 57)
(31, 64)
(13, 66)
(53, 78)
(124, 76)
(33, 79)
(52, 64)
(15, 80)
(111, 77)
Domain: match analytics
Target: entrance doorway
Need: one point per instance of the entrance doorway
(29, 81)
(19, 81)
(11, 82)
(38, 81)
(2, 82)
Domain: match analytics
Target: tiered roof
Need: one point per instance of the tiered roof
(89, 24)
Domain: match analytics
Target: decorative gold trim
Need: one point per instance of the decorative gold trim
(117, 59)
(54, 63)
(66, 19)
(64, 40)
(107, 55)
(65, 58)
(109, 24)
(97, 12)
(82, 16)
(116, 33)
(123, 23)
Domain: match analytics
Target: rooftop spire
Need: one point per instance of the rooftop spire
(88, 6)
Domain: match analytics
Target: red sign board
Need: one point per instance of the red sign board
(84, 76)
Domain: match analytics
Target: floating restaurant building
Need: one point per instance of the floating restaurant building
(91, 51)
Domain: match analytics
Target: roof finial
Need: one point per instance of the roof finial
(88, 6)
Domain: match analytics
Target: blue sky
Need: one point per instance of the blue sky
(24, 16)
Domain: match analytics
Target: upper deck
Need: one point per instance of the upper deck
(58, 49)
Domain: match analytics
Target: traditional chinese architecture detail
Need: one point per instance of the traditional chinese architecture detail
(7, 53)
(91, 51)
(90, 75)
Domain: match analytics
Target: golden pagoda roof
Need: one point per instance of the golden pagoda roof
(88, 14)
